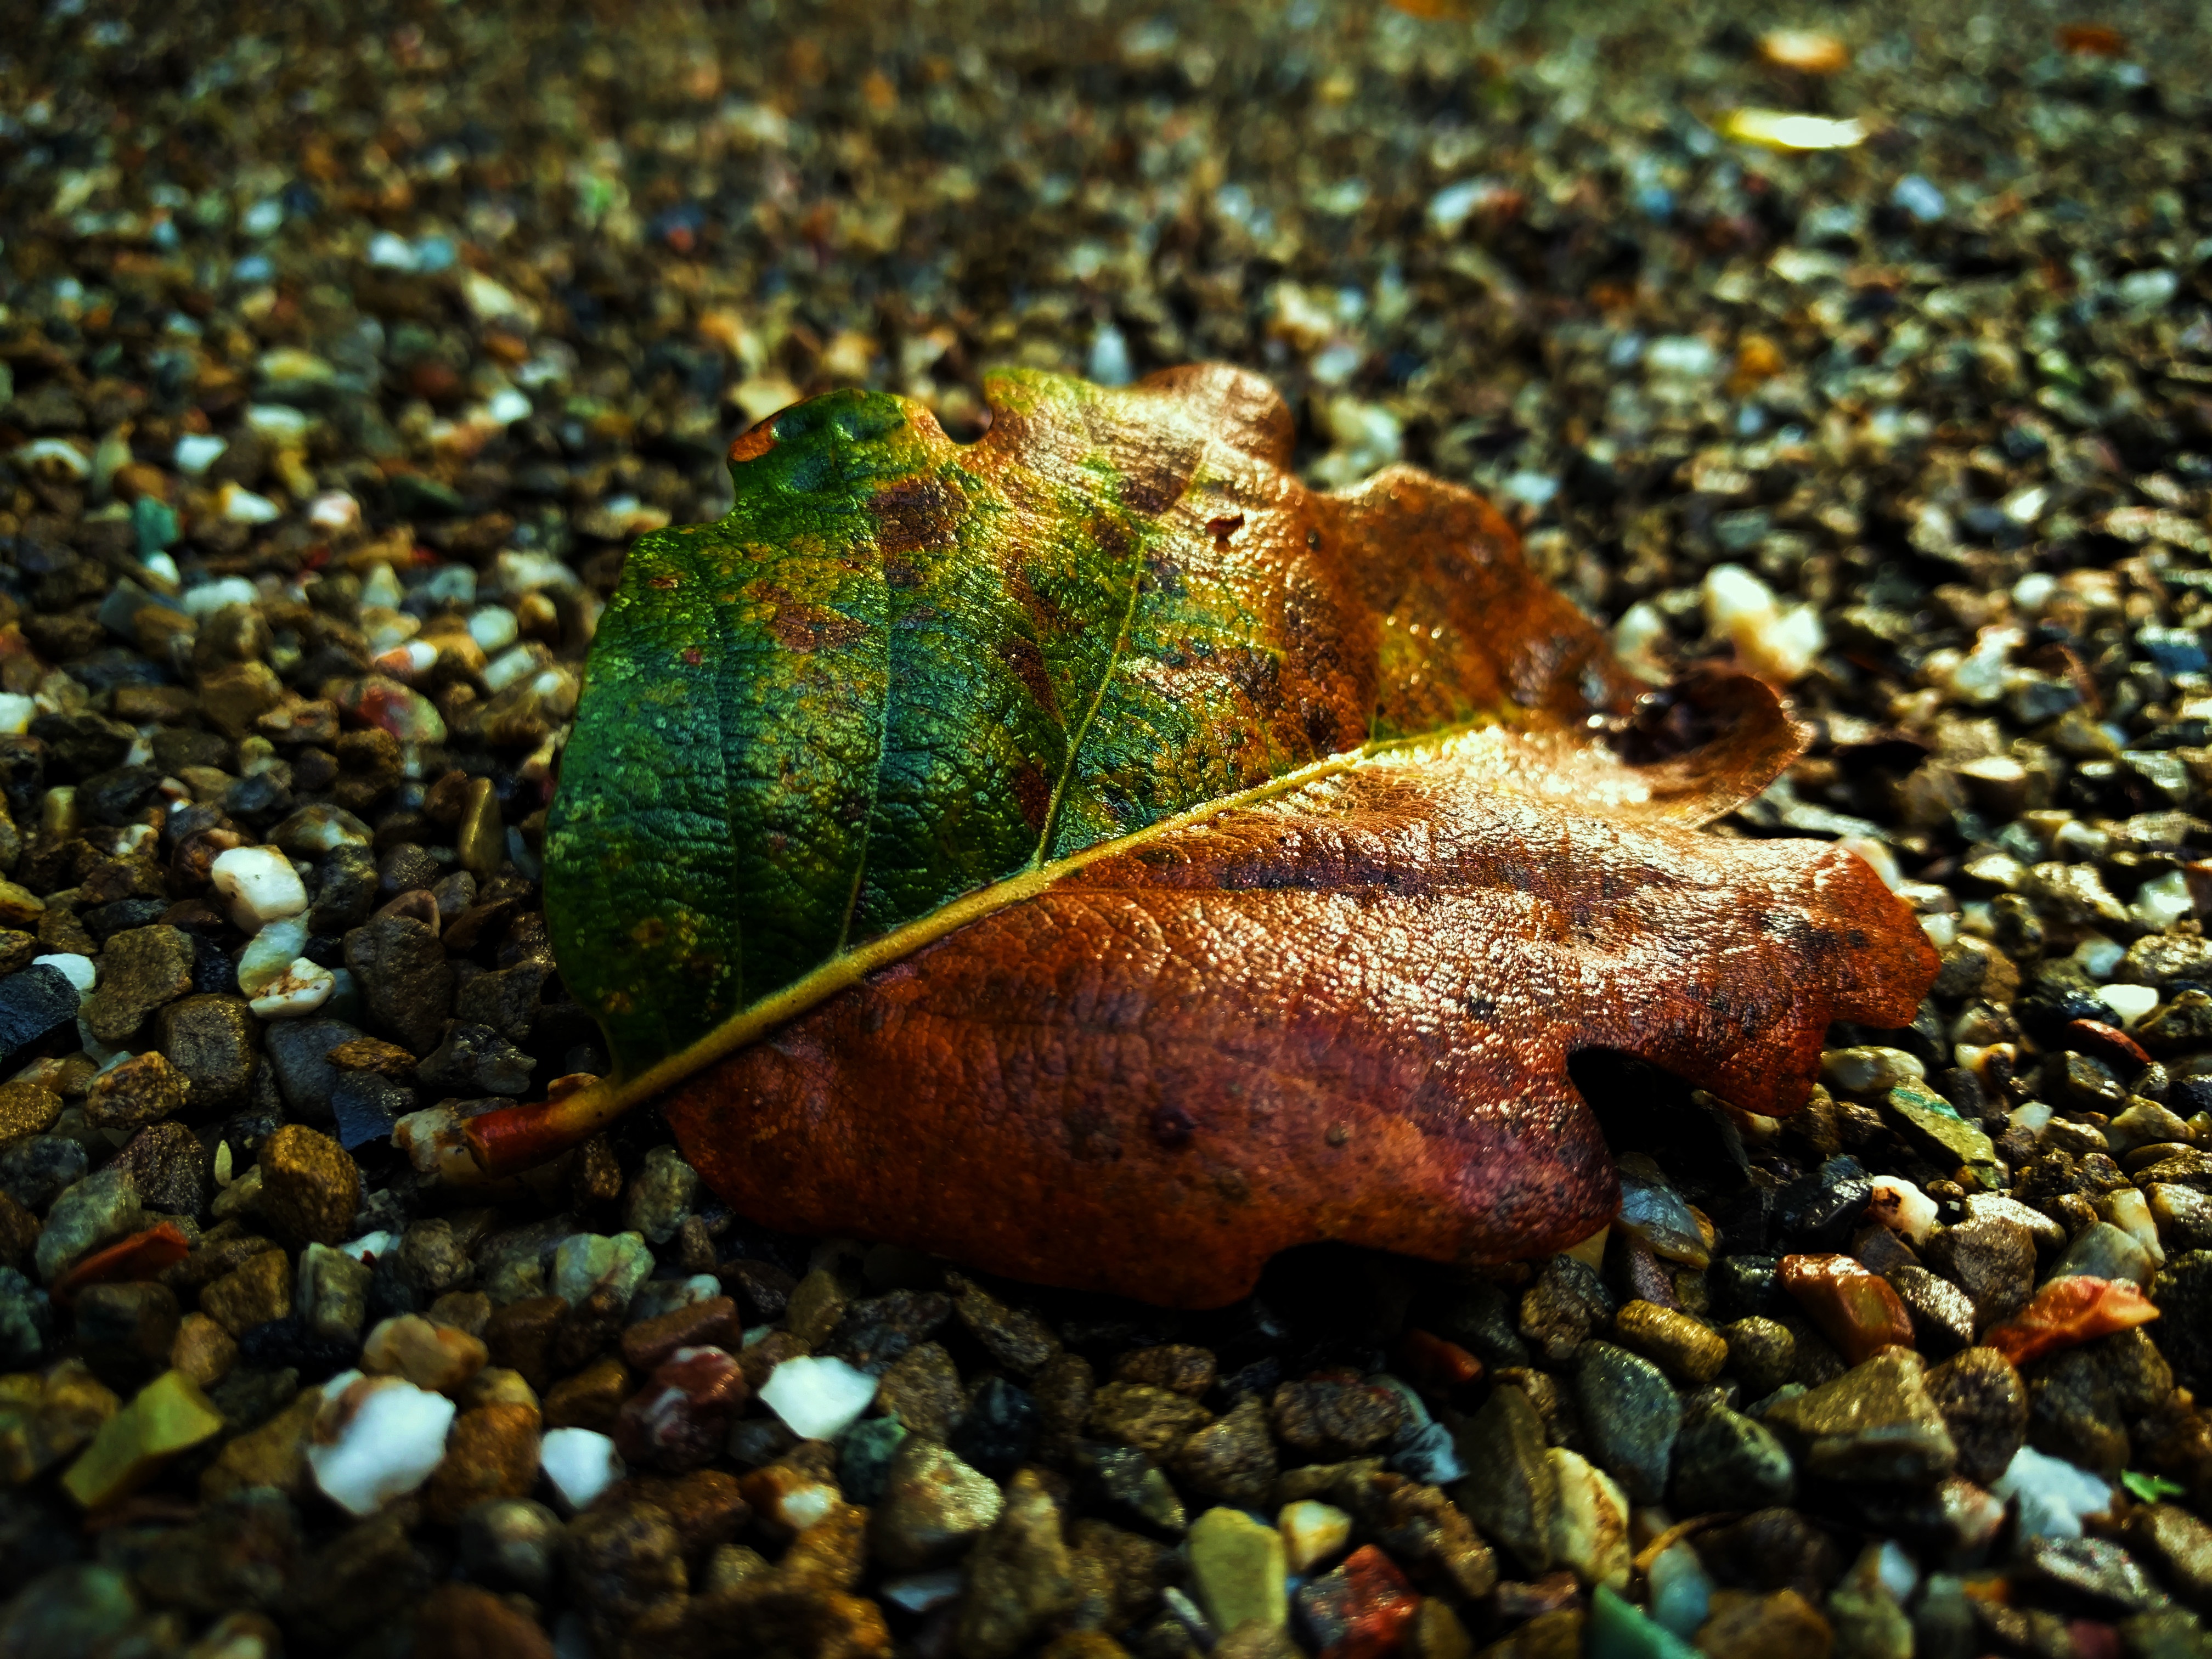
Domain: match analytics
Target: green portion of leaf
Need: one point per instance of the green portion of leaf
(2150, 1488)
(901, 670)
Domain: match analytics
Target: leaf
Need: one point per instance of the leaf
(1090, 853)
(2150, 1488)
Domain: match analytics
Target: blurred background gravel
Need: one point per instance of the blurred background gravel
(344, 350)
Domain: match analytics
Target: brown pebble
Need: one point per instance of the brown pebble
(250, 1295)
(142, 1090)
(465, 1621)
(491, 1451)
(520, 1337)
(589, 1399)
(1177, 1366)
(372, 1055)
(26, 1108)
(203, 1350)
(713, 1321)
(310, 1186)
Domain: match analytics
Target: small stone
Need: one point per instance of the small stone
(1313, 1533)
(210, 1040)
(1122, 1482)
(1782, 1624)
(1991, 1259)
(1684, 1346)
(491, 1452)
(259, 885)
(1762, 1352)
(1941, 1314)
(1589, 1528)
(586, 1262)
(1875, 1422)
(1630, 1416)
(1726, 1461)
(1985, 1405)
(331, 1291)
(96, 1211)
(864, 1458)
(300, 990)
(818, 1398)
(1933, 1125)
(623, 1562)
(998, 1431)
(1854, 1309)
(40, 1001)
(376, 1438)
(473, 1061)
(2178, 1542)
(203, 1350)
(310, 1186)
(252, 1294)
(1902, 1208)
(167, 1416)
(2068, 1311)
(274, 1455)
(1330, 1420)
(406, 983)
(463, 1621)
(1511, 1491)
(480, 838)
(1236, 1569)
(141, 969)
(1231, 1460)
(1567, 1302)
(26, 1108)
(680, 1418)
(1177, 1366)
(511, 1543)
(142, 1090)
(2095, 1571)
(874, 1331)
(2103, 1251)
(1153, 1420)
(1014, 1337)
(437, 1357)
(933, 1508)
(1021, 1577)
(580, 1463)
(592, 1398)
(72, 1610)
(1362, 1607)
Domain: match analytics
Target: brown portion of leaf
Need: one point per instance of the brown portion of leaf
(1346, 1014)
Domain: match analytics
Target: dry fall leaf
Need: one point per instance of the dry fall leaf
(1091, 854)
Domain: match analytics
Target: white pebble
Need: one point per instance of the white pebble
(2054, 1495)
(201, 602)
(269, 952)
(381, 587)
(1776, 642)
(1637, 638)
(2129, 1003)
(505, 670)
(390, 1435)
(582, 1463)
(76, 970)
(507, 406)
(197, 452)
(241, 506)
(303, 988)
(817, 1399)
(261, 885)
(280, 423)
(2032, 1115)
(2098, 956)
(1902, 1208)
(493, 628)
(2162, 901)
(1900, 1572)
(16, 713)
(369, 1246)
(334, 510)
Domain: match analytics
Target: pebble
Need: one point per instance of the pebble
(96, 1211)
(1985, 1405)
(1237, 1571)
(376, 1439)
(1726, 1461)
(1681, 1589)
(582, 1463)
(1902, 1208)
(1314, 1533)
(141, 969)
(1992, 1259)
(1511, 1491)
(510, 1543)
(142, 1090)
(932, 1508)
(1232, 1460)
(259, 885)
(1363, 1607)
(2067, 1311)
(680, 1418)
(435, 1357)
(818, 1399)
(1942, 1317)
(1876, 1423)
(1630, 1415)
(1589, 1527)
(2053, 1497)
(168, 1416)
(1021, 1576)
(311, 1188)
(491, 1453)
(2103, 1251)
(1618, 1629)
(1685, 1347)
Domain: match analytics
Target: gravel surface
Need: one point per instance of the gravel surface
(344, 350)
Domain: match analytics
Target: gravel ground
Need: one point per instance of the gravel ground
(341, 352)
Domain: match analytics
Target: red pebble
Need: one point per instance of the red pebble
(1434, 1365)
(2069, 1310)
(679, 1419)
(141, 1256)
(2107, 1043)
(1360, 1610)
(1853, 1305)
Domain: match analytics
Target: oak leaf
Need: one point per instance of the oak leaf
(1091, 855)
